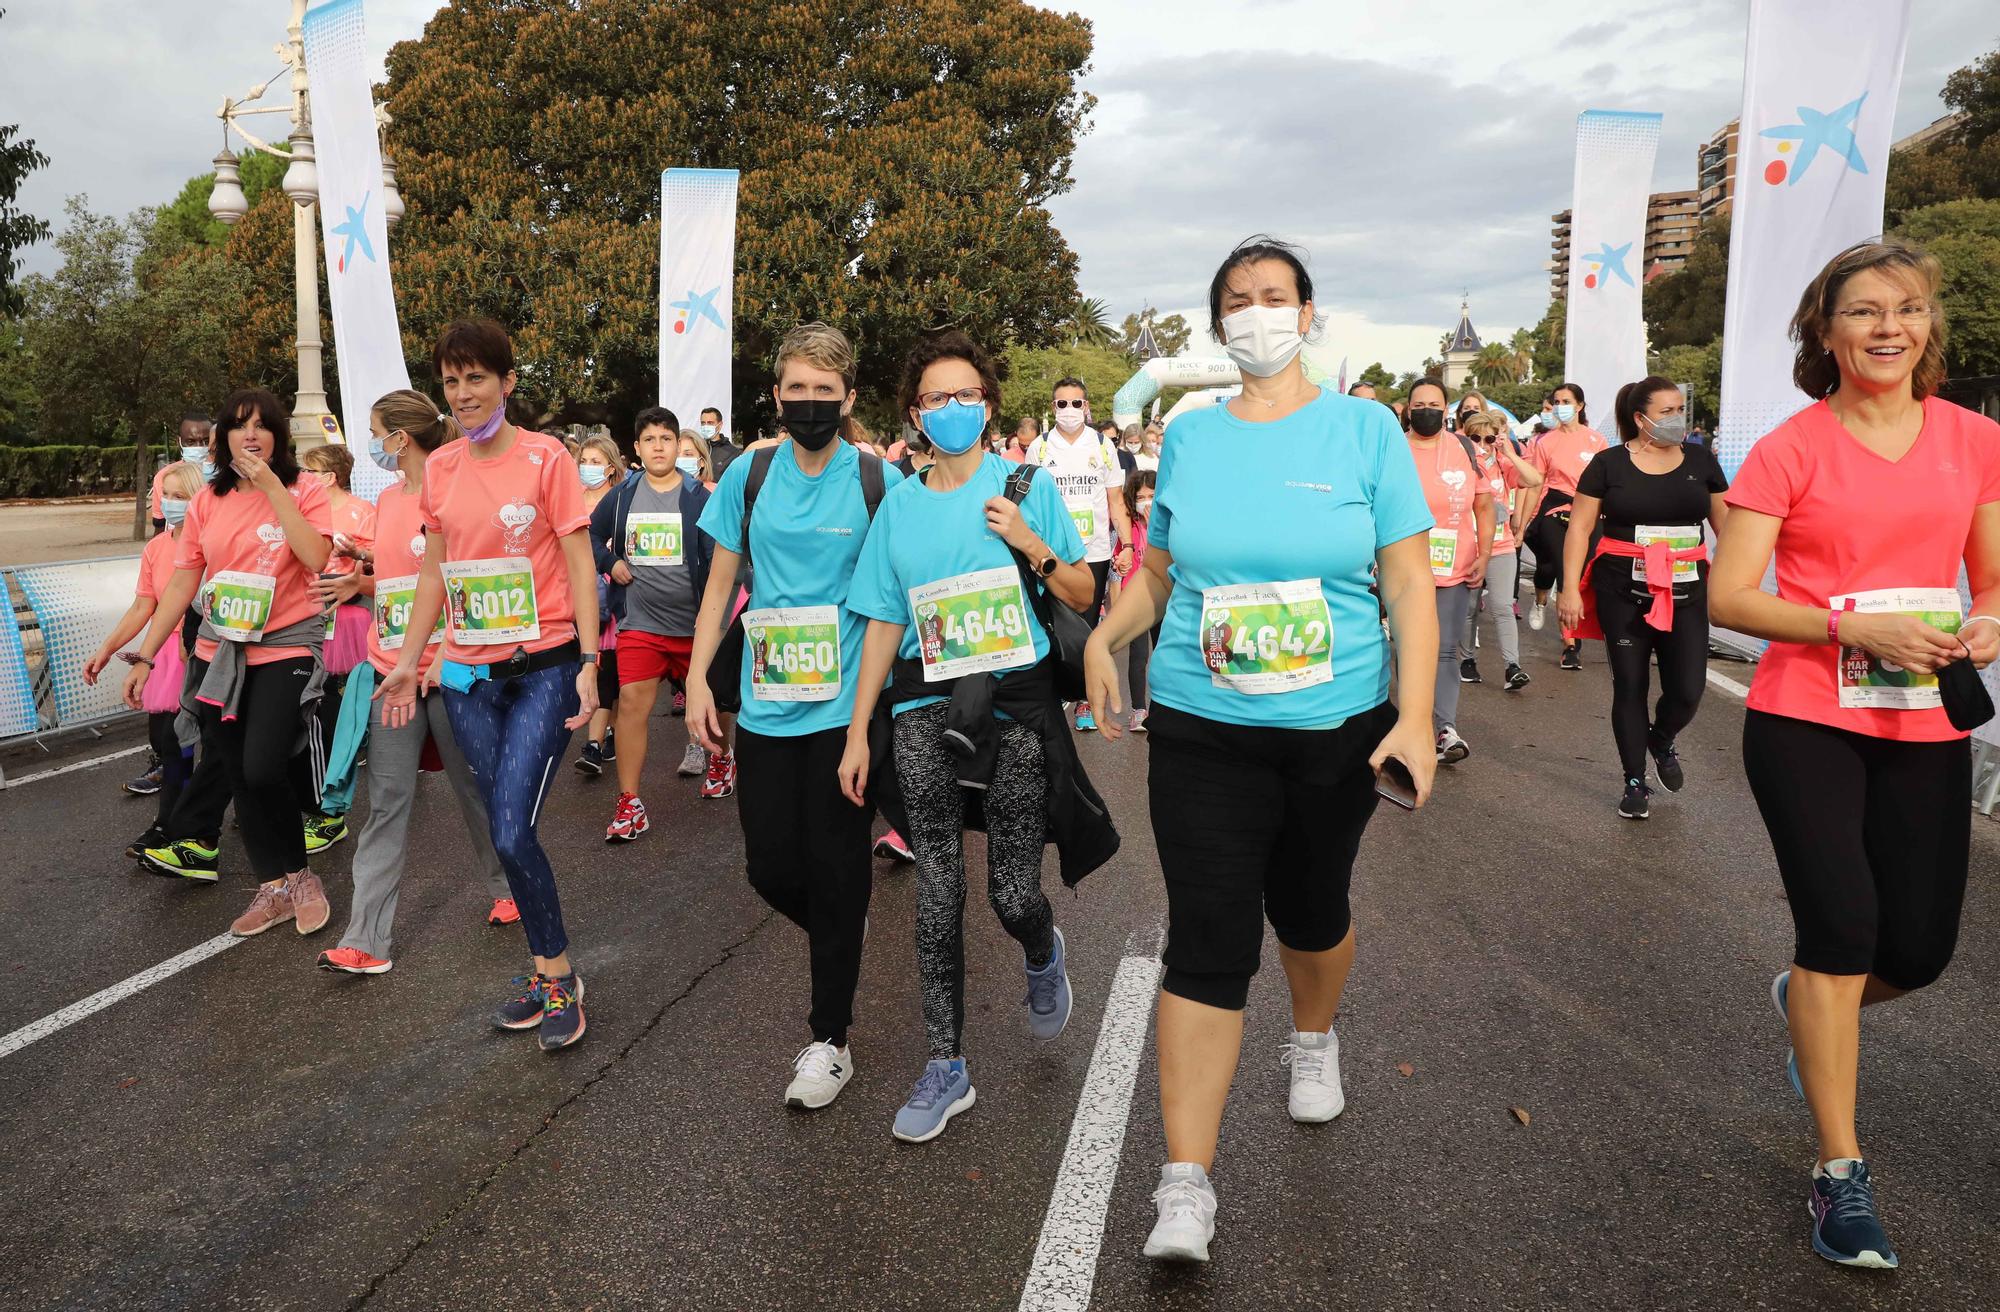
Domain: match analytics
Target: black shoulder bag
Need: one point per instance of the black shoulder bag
(1067, 630)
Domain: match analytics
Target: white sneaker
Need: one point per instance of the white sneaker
(1187, 1214)
(1537, 614)
(1315, 1063)
(820, 1072)
(694, 761)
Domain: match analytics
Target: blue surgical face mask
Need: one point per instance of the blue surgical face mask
(378, 451)
(708, 432)
(593, 475)
(1565, 412)
(689, 465)
(173, 511)
(954, 427)
(197, 455)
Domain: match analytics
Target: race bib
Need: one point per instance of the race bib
(1267, 637)
(794, 653)
(1085, 519)
(491, 601)
(653, 539)
(239, 604)
(972, 624)
(1444, 552)
(1869, 682)
(394, 599)
(1681, 537)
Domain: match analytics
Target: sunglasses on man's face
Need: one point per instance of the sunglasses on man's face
(1070, 405)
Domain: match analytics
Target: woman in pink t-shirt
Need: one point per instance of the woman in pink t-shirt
(1869, 501)
(508, 561)
(1461, 543)
(1561, 454)
(251, 543)
(1506, 472)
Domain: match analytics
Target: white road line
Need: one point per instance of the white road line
(1065, 1264)
(1727, 684)
(74, 765)
(125, 988)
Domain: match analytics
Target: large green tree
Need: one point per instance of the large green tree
(1962, 164)
(185, 219)
(1030, 375)
(1684, 308)
(18, 158)
(895, 156)
(1964, 235)
(127, 334)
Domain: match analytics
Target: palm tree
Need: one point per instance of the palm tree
(1496, 365)
(1522, 343)
(1089, 322)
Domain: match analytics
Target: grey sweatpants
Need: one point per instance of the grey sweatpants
(1503, 575)
(1016, 807)
(1451, 603)
(392, 790)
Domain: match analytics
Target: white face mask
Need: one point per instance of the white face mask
(1262, 339)
(1070, 420)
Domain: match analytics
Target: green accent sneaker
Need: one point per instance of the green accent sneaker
(323, 831)
(184, 858)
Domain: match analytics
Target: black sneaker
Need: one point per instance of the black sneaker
(1517, 678)
(1573, 657)
(151, 838)
(562, 1011)
(1634, 806)
(1846, 1228)
(1468, 671)
(1667, 763)
(591, 760)
(610, 752)
(523, 1011)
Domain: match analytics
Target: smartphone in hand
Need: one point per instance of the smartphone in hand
(1393, 782)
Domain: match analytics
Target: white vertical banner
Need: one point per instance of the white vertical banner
(1820, 83)
(366, 340)
(697, 290)
(1604, 333)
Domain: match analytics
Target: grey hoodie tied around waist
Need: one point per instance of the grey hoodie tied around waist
(222, 684)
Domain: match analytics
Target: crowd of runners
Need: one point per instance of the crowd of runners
(919, 630)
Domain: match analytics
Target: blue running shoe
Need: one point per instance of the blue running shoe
(1048, 995)
(524, 1010)
(943, 1091)
(1085, 721)
(1846, 1228)
(1781, 996)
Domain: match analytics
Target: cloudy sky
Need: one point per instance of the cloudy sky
(1416, 149)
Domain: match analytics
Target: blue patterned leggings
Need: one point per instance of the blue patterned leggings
(512, 734)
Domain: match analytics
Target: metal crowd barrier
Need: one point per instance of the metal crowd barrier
(64, 611)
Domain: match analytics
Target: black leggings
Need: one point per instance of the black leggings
(176, 764)
(1545, 538)
(1629, 645)
(806, 851)
(256, 753)
(1100, 577)
(1872, 838)
(1254, 824)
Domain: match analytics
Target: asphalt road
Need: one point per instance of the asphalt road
(252, 1133)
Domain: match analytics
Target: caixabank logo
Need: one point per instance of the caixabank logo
(1607, 263)
(1799, 143)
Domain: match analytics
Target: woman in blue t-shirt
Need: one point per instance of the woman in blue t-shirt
(1270, 691)
(950, 611)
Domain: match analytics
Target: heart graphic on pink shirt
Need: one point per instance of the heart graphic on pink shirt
(1452, 478)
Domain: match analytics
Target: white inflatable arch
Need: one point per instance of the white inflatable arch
(1212, 377)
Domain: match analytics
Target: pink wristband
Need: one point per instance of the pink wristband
(1833, 626)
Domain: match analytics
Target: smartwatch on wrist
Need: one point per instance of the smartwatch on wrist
(1046, 566)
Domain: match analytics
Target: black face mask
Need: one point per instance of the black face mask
(1427, 423)
(812, 424)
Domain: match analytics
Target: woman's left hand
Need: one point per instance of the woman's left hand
(335, 591)
(586, 697)
(1411, 743)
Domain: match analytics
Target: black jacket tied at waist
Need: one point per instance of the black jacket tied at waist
(1079, 823)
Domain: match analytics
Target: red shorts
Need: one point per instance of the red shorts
(643, 656)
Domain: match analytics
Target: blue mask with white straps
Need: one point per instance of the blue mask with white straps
(954, 427)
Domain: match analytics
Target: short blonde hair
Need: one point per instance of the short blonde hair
(1814, 369)
(603, 446)
(1481, 421)
(821, 345)
(181, 478)
(331, 459)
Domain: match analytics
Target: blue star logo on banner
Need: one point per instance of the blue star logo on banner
(355, 229)
(1608, 262)
(697, 306)
(1834, 130)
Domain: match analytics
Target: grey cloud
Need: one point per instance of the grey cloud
(1590, 36)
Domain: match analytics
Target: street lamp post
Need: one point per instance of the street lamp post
(310, 417)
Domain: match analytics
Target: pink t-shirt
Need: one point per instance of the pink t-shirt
(518, 504)
(1856, 522)
(241, 531)
(1501, 478)
(1451, 487)
(156, 565)
(1561, 456)
(355, 518)
(399, 554)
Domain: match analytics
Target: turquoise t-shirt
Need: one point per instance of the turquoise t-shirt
(971, 613)
(1253, 514)
(805, 536)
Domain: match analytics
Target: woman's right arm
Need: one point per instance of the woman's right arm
(174, 601)
(1576, 552)
(878, 653)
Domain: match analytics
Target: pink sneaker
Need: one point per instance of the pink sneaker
(271, 906)
(503, 912)
(308, 902)
(354, 961)
(628, 821)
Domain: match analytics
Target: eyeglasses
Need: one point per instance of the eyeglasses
(937, 400)
(1867, 316)
(1069, 405)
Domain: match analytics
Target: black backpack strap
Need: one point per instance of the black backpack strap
(1019, 481)
(873, 485)
(1471, 453)
(760, 469)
